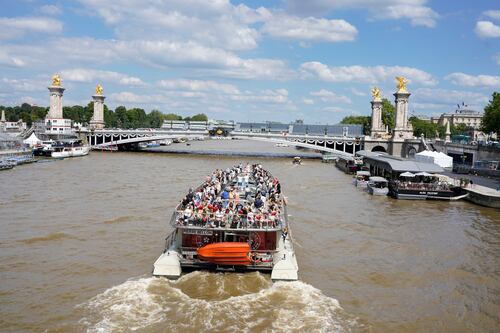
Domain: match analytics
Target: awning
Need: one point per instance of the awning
(425, 174)
(407, 174)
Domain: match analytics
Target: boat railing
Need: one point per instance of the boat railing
(422, 186)
(170, 240)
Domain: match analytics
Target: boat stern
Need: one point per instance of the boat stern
(168, 265)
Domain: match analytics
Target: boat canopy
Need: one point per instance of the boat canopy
(407, 174)
(399, 164)
(377, 179)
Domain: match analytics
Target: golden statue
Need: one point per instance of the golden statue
(98, 90)
(376, 94)
(56, 80)
(401, 84)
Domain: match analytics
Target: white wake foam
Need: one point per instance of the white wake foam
(161, 305)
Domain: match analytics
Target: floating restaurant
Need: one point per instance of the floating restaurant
(410, 179)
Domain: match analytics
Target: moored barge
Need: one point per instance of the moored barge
(235, 221)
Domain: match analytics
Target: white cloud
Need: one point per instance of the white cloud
(494, 14)
(10, 61)
(50, 10)
(308, 101)
(358, 92)
(201, 59)
(448, 97)
(198, 85)
(414, 10)
(467, 80)
(91, 75)
(14, 27)
(272, 96)
(329, 96)
(133, 98)
(364, 74)
(310, 29)
(487, 29)
(21, 84)
(213, 23)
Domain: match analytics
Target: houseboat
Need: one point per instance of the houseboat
(349, 164)
(378, 186)
(235, 221)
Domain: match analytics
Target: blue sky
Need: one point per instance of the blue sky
(252, 60)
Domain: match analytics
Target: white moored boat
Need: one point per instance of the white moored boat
(378, 186)
(73, 149)
(243, 227)
(361, 178)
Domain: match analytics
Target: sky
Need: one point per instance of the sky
(281, 60)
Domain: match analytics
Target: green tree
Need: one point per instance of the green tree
(155, 119)
(172, 116)
(459, 129)
(388, 111)
(121, 117)
(491, 118)
(424, 127)
(365, 121)
(199, 117)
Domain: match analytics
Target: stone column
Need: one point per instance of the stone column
(377, 125)
(97, 121)
(448, 132)
(401, 128)
(56, 94)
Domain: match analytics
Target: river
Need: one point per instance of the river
(79, 237)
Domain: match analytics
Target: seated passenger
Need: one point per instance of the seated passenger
(258, 203)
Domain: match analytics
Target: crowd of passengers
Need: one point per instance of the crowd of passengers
(432, 186)
(227, 200)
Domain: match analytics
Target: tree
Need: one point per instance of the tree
(458, 129)
(155, 119)
(172, 116)
(491, 118)
(365, 121)
(388, 111)
(199, 117)
(425, 127)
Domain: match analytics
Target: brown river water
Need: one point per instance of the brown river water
(78, 238)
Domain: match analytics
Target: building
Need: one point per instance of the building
(58, 126)
(463, 115)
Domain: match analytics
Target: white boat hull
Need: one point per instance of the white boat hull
(71, 152)
(378, 191)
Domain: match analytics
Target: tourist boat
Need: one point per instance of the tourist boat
(361, 178)
(70, 149)
(297, 160)
(44, 148)
(233, 231)
(378, 186)
(281, 144)
(421, 186)
(349, 164)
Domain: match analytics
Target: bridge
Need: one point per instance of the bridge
(342, 146)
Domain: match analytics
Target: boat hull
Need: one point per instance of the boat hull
(72, 152)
